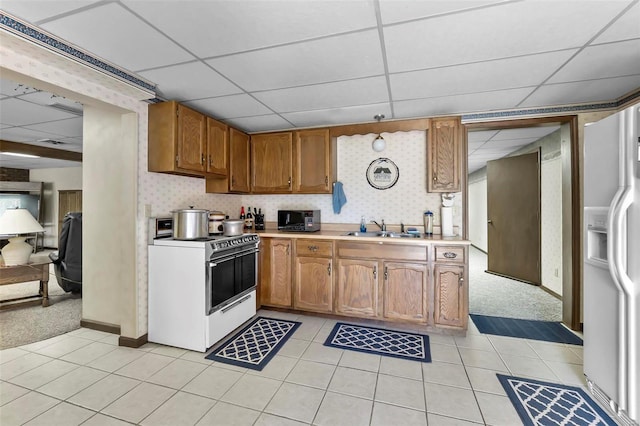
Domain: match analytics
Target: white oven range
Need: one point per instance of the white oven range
(201, 290)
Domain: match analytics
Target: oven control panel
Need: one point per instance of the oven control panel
(232, 242)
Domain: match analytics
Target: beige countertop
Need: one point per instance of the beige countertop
(340, 235)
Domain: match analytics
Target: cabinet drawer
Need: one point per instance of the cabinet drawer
(318, 248)
(382, 251)
(449, 254)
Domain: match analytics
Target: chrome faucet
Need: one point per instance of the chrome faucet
(382, 227)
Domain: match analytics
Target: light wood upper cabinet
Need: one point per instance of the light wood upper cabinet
(444, 155)
(239, 161)
(313, 171)
(450, 295)
(271, 161)
(357, 287)
(405, 292)
(313, 283)
(217, 148)
(177, 139)
(276, 272)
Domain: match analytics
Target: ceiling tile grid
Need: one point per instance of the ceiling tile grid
(278, 64)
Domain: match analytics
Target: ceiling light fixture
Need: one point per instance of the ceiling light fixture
(379, 144)
(17, 154)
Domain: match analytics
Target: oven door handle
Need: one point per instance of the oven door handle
(233, 256)
(236, 303)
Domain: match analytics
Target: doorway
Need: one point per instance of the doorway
(565, 220)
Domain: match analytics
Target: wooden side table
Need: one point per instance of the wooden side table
(23, 273)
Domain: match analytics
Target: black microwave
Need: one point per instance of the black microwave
(299, 220)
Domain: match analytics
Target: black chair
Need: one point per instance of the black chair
(68, 260)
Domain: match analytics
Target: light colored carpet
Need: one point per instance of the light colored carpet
(502, 297)
(24, 325)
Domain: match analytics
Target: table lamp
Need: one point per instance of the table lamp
(17, 222)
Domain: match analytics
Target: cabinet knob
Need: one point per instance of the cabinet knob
(450, 255)
(435, 178)
(289, 180)
(461, 281)
(329, 269)
(202, 159)
(375, 272)
(386, 273)
(313, 248)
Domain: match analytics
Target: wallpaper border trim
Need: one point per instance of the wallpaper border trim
(33, 34)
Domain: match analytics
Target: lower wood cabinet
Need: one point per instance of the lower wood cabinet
(313, 289)
(357, 288)
(276, 272)
(405, 292)
(450, 295)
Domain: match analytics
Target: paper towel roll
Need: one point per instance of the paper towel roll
(446, 220)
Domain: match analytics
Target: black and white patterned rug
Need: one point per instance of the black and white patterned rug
(550, 404)
(254, 345)
(379, 341)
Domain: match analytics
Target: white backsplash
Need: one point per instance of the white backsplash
(405, 202)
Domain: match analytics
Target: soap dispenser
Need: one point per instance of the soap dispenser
(428, 223)
(363, 225)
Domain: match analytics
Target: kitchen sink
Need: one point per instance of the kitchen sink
(383, 234)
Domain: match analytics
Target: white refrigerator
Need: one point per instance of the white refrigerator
(611, 256)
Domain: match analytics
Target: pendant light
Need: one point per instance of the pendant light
(379, 144)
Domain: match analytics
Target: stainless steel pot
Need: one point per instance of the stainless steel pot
(233, 227)
(190, 224)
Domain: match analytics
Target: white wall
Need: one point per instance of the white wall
(478, 213)
(405, 202)
(66, 178)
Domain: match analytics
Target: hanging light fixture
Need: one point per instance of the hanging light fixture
(379, 144)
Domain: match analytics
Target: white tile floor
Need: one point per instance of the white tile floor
(84, 378)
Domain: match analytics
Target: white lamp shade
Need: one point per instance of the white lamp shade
(379, 144)
(18, 221)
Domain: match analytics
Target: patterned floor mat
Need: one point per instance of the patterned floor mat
(253, 346)
(542, 403)
(379, 341)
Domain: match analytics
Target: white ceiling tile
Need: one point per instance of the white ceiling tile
(509, 73)
(71, 127)
(325, 96)
(507, 30)
(117, 35)
(626, 27)
(233, 106)
(582, 91)
(525, 133)
(216, 28)
(396, 11)
(319, 61)
(36, 10)
(334, 116)
(260, 123)
(51, 100)
(605, 60)
(24, 135)
(18, 112)
(194, 80)
(460, 104)
(480, 135)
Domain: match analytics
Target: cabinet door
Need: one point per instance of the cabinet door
(217, 147)
(191, 139)
(405, 292)
(450, 295)
(271, 158)
(313, 290)
(276, 281)
(312, 162)
(238, 161)
(357, 287)
(444, 155)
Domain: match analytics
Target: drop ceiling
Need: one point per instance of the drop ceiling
(271, 65)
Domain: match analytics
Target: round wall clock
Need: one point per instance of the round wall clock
(382, 173)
